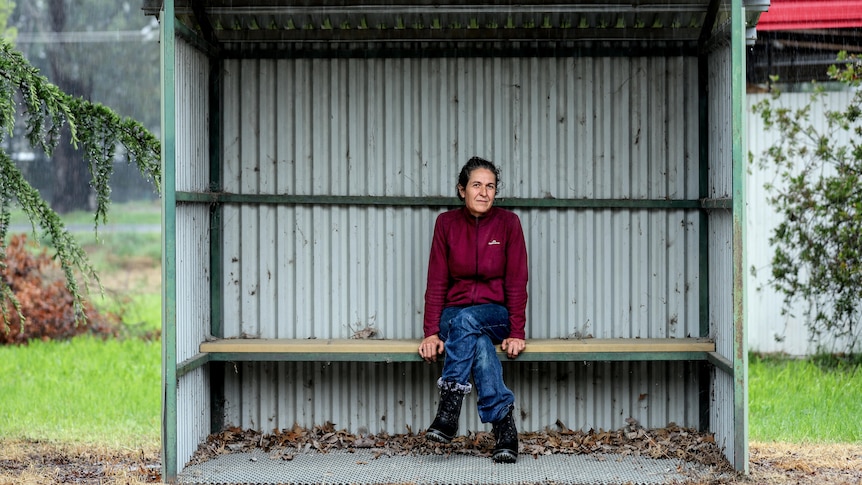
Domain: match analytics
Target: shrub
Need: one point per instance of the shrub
(45, 307)
(818, 245)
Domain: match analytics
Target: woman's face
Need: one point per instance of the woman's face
(480, 191)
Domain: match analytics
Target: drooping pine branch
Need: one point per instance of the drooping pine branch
(99, 131)
(69, 253)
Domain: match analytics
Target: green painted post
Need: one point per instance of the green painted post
(169, 245)
(740, 334)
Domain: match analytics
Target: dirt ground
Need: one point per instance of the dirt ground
(44, 463)
(783, 463)
(41, 463)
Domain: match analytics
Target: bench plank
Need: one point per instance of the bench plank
(398, 349)
(407, 350)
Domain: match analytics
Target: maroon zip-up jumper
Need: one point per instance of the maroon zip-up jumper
(476, 260)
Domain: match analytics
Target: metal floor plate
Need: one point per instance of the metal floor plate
(362, 468)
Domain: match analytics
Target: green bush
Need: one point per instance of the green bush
(42, 306)
(818, 244)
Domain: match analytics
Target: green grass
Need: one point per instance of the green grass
(112, 252)
(84, 390)
(804, 401)
(139, 212)
(141, 313)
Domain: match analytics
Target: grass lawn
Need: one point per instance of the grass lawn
(801, 401)
(83, 390)
(141, 212)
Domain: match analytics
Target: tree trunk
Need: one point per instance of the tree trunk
(71, 185)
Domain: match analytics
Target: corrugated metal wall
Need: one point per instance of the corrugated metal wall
(609, 127)
(393, 398)
(720, 240)
(574, 128)
(192, 245)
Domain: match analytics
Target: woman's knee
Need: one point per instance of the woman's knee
(488, 319)
(486, 353)
(464, 320)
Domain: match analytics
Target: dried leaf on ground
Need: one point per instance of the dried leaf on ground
(669, 442)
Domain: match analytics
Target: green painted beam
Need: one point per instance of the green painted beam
(720, 362)
(189, 365)
(390, 201)
(716, 204)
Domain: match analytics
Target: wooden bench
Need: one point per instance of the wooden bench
(406, 350)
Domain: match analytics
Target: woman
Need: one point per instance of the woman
(476, 298)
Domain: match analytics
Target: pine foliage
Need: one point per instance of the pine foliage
(101, 134)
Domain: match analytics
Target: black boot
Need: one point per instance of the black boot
(445, 425)
(506, 448)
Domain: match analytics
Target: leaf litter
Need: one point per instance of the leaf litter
(672, 442)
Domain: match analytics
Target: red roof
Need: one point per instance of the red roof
(811, 14)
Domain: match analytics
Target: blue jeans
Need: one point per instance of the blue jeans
(469, 334)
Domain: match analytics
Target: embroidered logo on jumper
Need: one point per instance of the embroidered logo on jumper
(494, 242)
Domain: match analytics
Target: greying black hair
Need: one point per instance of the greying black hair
(473, 164)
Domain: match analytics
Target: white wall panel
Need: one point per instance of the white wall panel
(723, 408)
(192, 222)
(720, 122)
(192, 278)
(720, 180)
(721, 297)
(192, 125)
(193, 412)
(564, 128)
(192, 246)
(722, 412)
(392, 398)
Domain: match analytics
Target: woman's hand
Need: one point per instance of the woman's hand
(430, 348)
(513, 346)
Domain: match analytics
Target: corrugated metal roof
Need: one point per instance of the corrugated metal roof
(812, 14)
(269, 21)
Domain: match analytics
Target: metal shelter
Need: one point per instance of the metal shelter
(308, 145)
